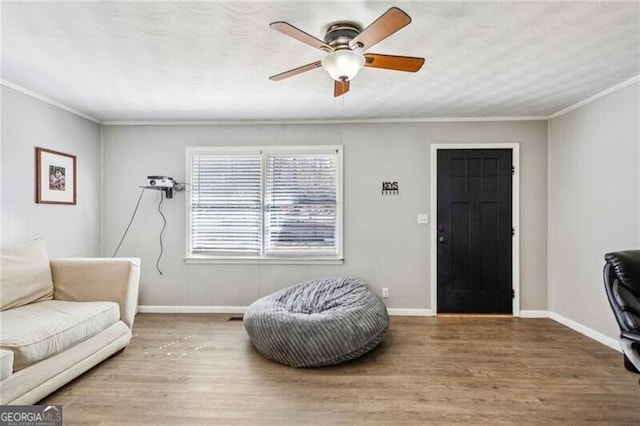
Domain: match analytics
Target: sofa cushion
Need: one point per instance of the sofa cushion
(39, 330)
(6, 364)
(25, 274)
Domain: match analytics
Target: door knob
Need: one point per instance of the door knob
(441, 240)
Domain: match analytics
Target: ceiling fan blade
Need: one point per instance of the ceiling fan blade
(340, 88)
(388, 23)
(298, 34)
(296, 71)
(392, 62)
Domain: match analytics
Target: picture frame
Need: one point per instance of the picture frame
(56, 177)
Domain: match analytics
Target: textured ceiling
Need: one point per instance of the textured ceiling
(211, 60)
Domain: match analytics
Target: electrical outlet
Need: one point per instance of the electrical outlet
(423, 219)
(385, 292)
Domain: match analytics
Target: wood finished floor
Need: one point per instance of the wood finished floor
(184, 369)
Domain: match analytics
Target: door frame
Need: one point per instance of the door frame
(515, 213)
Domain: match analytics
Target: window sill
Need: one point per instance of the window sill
(265, 261)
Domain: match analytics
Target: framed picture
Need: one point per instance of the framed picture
(55, 177)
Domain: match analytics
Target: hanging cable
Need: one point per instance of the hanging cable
(130, 222)
(161, 232)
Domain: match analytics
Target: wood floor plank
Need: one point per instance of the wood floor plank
(454, 370)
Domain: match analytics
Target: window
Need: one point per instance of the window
(251, 203)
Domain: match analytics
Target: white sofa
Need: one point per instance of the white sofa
(60, 317)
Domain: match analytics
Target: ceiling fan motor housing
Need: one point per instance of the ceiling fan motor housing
(340, 34)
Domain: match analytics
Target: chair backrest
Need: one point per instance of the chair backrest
(622, 283)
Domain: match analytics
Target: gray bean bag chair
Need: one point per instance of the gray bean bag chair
(317, 323)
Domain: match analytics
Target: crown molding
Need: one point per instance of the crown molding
(329, 121)
(595, 97)
(49, 101)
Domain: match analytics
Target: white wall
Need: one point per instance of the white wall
(594, 202)
(68, 230)
(383, 243)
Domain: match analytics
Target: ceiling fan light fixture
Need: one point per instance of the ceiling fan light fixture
(344, 64)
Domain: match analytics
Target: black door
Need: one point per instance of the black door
(474, 231)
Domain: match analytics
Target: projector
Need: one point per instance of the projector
(161, 181)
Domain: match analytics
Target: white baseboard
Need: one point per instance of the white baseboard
(158, 309)
(534, 314)
(400, 312)
(595, 335)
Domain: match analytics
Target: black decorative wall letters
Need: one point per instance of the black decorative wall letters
(390, 188)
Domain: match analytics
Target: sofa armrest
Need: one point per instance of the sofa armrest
(98, 279)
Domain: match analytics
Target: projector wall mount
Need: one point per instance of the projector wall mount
(164, 183)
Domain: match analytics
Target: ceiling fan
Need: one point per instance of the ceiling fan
(345, 42)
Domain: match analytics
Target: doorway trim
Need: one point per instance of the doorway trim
(515, 220)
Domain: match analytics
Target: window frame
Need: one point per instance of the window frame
(300, 258)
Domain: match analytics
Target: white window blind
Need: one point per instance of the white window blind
(301, 204)
(264, 202)
(226, 204)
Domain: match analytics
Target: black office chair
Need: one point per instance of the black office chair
(622, 282)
